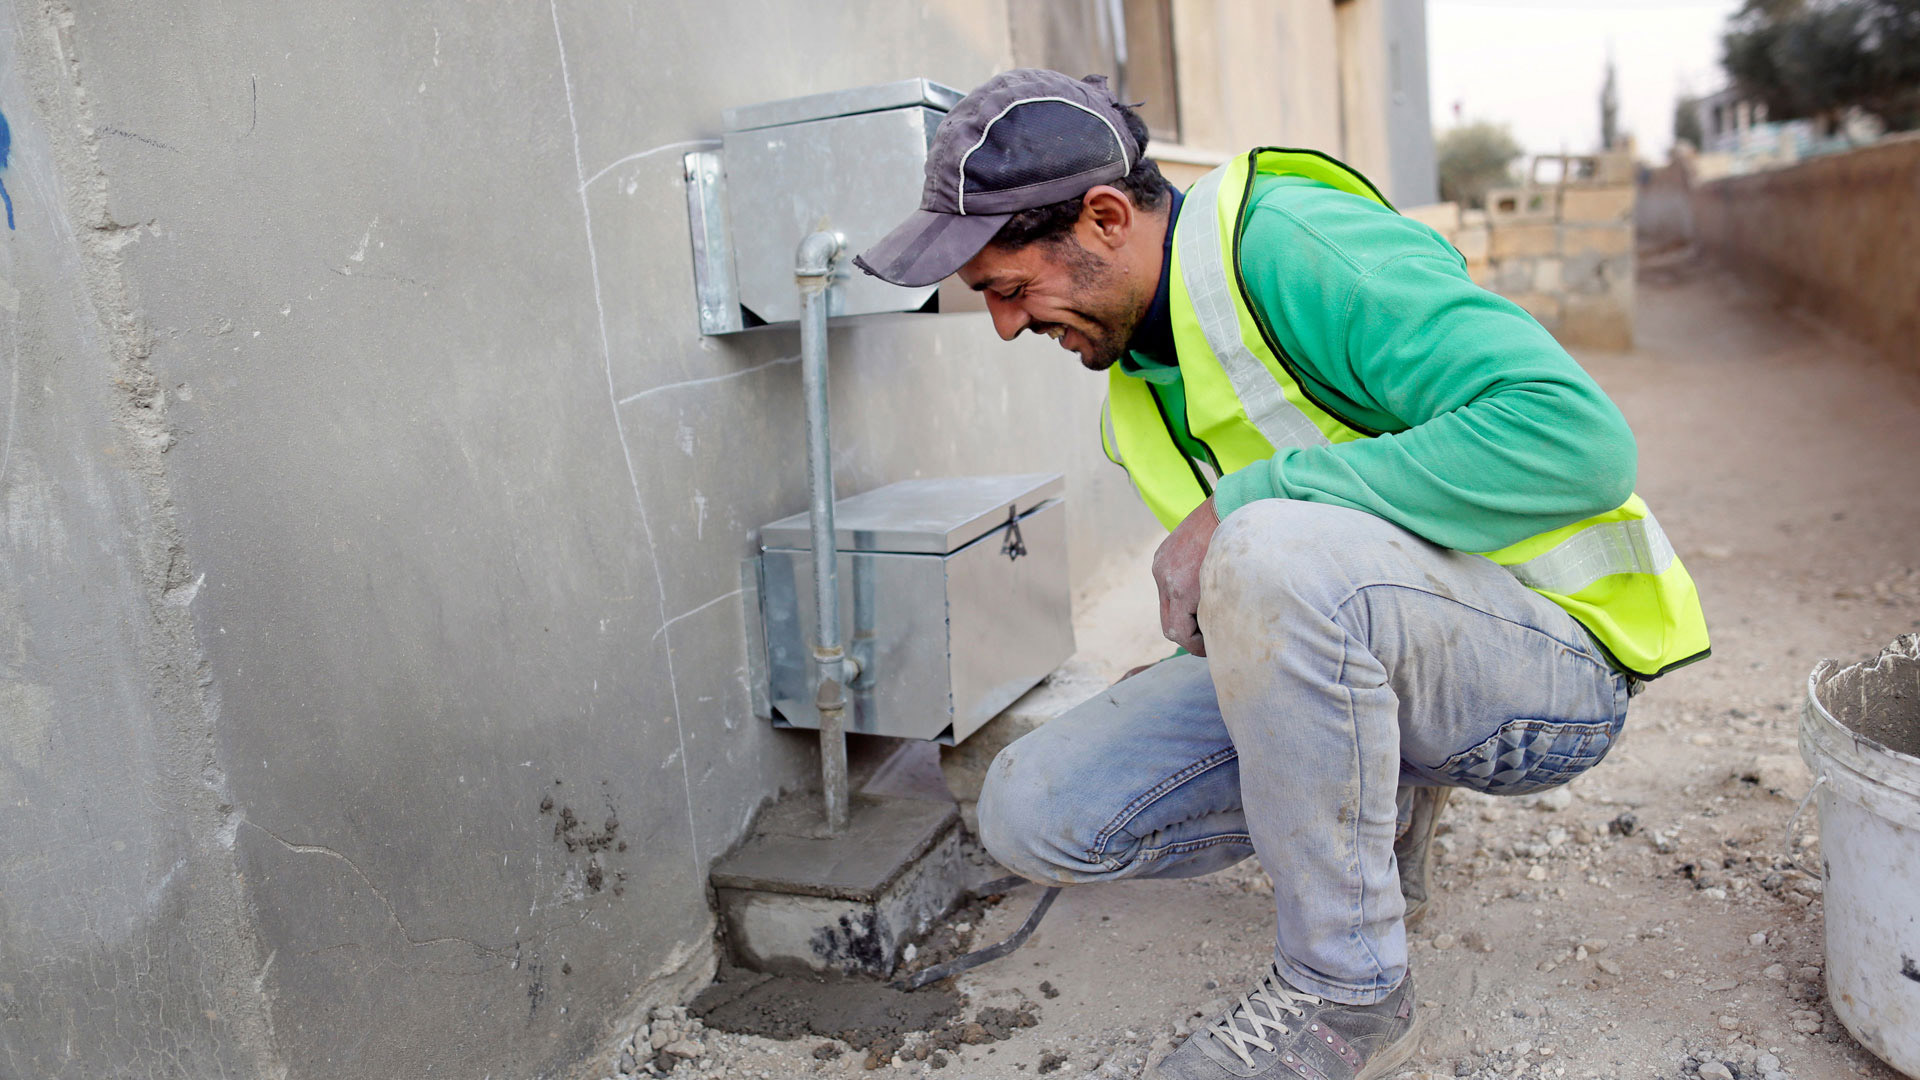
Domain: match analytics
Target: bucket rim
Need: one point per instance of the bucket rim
(1865, 767)
(1822, 669)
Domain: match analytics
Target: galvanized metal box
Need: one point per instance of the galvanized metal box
(953, 598)
(850, 162)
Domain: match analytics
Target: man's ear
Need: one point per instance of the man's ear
(1106, 218)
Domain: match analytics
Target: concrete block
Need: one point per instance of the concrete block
(1595, 275)
(797, 899)
(1621, 280)
(1514, 276)
(1443, 218)
(1615, 166)
(1473, 219)
(1473, 242)
(1595, 322)
(1542, 306)
(965, 765)
(1596, 239)
(1481, 270)
(1515, 206)
(1540, 238)
(1546, 275)
(1597, 204)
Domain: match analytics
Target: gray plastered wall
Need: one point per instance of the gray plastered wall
(367, 485)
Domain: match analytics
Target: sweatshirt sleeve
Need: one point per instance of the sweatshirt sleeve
(1500, 434)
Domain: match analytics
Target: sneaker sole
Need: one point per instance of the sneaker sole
(1395, 1054)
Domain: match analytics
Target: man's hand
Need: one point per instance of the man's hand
(1176, 570)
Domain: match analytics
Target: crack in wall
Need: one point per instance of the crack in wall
(684, 144)
(777, 361)
(697, 609)
(393, 913)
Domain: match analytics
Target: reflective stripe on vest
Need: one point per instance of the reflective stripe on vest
(1616, 572)
(1203, 265)
(1610, 547)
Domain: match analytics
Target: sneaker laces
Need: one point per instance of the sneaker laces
(1273, 995)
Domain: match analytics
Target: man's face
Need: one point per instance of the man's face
(1061, 289)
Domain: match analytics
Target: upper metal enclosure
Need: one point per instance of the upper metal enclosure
(834, 103)
(850, 162)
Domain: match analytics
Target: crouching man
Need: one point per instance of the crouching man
(1405, 552)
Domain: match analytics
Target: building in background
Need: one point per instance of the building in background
(1737, 137)
(372, 681)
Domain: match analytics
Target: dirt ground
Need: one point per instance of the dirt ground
(1645, 920)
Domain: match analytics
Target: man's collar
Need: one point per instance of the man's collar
(1153, 338)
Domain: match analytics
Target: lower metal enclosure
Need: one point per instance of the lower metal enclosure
(954, 600)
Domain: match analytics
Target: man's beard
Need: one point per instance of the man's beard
(1108, 331)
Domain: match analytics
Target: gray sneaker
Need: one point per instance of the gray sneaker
(1414, 849)
(1276, 1031)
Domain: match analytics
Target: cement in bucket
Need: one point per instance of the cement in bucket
(1860, 736)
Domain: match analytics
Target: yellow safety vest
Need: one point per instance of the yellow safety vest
(1615, 572)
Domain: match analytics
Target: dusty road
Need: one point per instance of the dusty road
(1782, 461)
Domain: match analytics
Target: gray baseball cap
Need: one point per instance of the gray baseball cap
(1024, 138)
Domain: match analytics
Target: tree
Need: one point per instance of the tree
(1609, 110)
(1474, 158)
(1686, 122)
(1820, 58)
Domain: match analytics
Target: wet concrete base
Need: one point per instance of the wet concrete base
(864, 1014)
(795, 899)
(856, 1011)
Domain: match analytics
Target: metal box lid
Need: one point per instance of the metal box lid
(859, 99)
(933, 516)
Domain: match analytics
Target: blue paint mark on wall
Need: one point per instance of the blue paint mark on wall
(6, 142)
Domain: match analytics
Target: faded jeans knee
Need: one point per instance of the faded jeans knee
(1010, 817)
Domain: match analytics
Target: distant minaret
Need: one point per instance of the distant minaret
(1609, 108)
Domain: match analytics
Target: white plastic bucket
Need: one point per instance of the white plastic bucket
(1869, 798)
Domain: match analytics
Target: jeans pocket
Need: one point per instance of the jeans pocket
(1525, 756)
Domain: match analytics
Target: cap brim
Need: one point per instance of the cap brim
(928, 246)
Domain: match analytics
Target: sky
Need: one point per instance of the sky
(1537, 65)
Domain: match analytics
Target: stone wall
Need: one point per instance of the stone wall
(1563, 251)
(1835, 236)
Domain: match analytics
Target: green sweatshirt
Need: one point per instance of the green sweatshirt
(1490, 432)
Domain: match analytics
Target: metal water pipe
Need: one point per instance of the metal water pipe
(813, 272)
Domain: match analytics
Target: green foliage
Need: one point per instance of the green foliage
(1474, 158)
(1686, 122)
(1819, 58)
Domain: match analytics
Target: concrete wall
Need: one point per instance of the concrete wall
(1365, 93)
(1256, 73)
(367, 484)
(126, 941)
(1834, 235)
(370, 500)
(1415, 174)
(1386, 131)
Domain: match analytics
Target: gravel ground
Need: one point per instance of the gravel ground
(1650, 920)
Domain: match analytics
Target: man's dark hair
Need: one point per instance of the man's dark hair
(1052, 222)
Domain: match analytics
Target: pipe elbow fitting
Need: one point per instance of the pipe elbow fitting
(816, 253)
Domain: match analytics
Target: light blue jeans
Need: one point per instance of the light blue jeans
(1347, 659)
